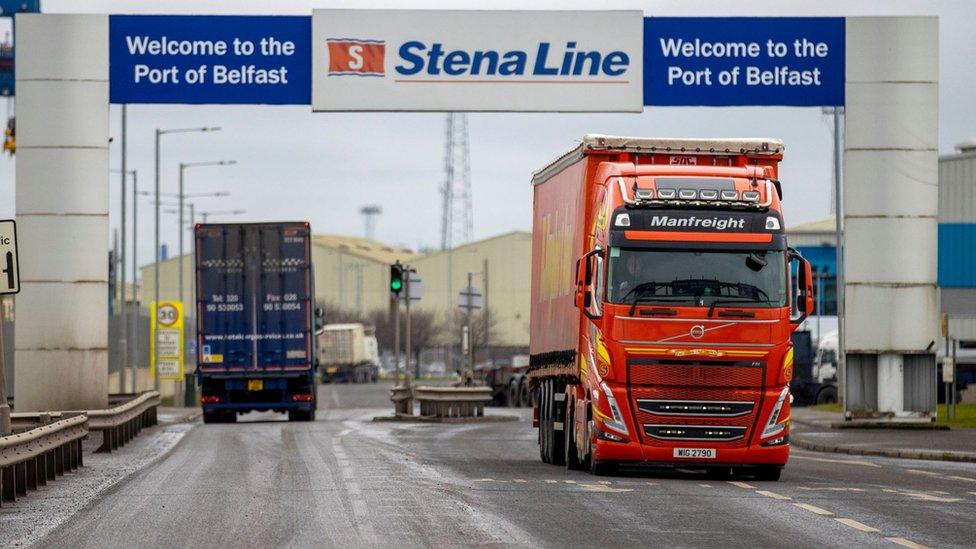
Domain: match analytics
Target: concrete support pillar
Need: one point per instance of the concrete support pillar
(61, 335)
(891, 208)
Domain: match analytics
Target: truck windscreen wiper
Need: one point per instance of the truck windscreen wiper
(711, 308)
(654, 299)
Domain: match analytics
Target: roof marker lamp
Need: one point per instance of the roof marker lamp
(750, 196)
(667, 194)
(730, 195)
(687, 194)
(623, 220)
(644, 194)
(708, 194)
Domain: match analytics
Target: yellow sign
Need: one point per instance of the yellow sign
(166, 345)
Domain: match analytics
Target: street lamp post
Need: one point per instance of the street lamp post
(133, 368)
(159, 134)
(181, 206)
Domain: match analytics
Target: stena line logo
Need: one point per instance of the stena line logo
(419, 61)
(354, 57)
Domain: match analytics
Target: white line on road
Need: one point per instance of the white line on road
(814, 509)
(842, 461)
(856, 525)
(745, 485)
(907, 543)
(773, 495)
(705, 485)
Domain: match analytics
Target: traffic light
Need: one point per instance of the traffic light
(396, 279)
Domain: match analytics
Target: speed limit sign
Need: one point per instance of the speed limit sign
(167, 314)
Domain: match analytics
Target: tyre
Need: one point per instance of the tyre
(602, 468)
(571, 452)
(827, 395)
(212, 417)
(718, 473)
(557, 438)
(525, 396)
(768, 473)
(301, 415)
(543, 421)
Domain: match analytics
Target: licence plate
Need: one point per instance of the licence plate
(255, 385)
(695, 453)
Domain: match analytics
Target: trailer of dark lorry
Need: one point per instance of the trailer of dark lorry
(255, 329)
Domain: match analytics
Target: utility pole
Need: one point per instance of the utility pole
(135, 278)
(4, 407)
(470, 331)
(123, 340)
(406, 369)
(839, 230)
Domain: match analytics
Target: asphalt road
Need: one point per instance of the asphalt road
(347, 481)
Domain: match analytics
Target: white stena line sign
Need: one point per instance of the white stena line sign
(423, 60)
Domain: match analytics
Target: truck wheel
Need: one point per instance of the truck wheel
(543, 422)
(525, 396)
(557, 439)
(768, 472)
(827, 395)
(571, 453)
(602, 468)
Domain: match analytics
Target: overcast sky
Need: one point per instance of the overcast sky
(293, 164)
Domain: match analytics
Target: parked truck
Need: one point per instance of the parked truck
(348, 353)
(254, 296)
(663, 299)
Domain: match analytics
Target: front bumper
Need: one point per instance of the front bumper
(607, 450)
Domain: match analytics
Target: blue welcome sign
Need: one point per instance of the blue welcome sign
(724, 61)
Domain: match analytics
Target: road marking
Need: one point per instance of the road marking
(842, 461)
(345, 432)
(922, 496)
(833, 488)
(921, 472)
(570, 481)
(745, 485)
(520, 480)
(814, 509)
(599, 487)
(907, 543)
(856, 525)
(705, 485)
(773, 495)
(967, 479)
(485, 480)
(551, 481)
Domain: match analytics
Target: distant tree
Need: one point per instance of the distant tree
(423, 329)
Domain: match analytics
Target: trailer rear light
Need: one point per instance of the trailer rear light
(708, 194)
(667, 193)
(687, 194)
(209, 399)
(644, 194)
(750, 196)
(535, 416)
(302, 397)
(730, 195)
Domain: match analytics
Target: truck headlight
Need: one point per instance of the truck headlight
(772, 426)
(616, 419)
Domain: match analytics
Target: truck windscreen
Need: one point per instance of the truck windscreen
(697, 278)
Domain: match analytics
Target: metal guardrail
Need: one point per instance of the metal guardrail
(402, 397)
(24, 421)
(123, 422)
(33, 457)
(452, 401)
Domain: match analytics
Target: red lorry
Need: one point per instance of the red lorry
(663, 299)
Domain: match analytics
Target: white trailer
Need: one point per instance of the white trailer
(347, 353)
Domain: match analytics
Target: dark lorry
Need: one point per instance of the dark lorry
(255, 333)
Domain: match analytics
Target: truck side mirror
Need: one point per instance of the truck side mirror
(319, 318)
(804, 287)
(588, 269)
